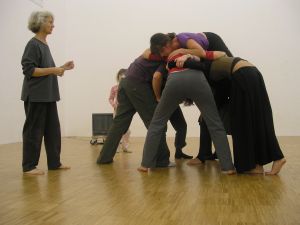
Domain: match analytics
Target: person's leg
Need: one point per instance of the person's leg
(216, 43)
(253, 135)
(125, 142)
(205, 147)
(120, 125)
(179, 124)
(276, 153)
(202, 95)
(52, 137)
(243, 140)
(170, 100)
(33, 132)
(275, 150)
(266, 148)
(205, 150)
(143, 99)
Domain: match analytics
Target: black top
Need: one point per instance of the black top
(142, 70)
(220, 89)
(205, 66)
(38, 89)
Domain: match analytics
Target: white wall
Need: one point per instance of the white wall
(103, 36)
(106, 35)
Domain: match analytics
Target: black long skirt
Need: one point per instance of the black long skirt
(254, 139)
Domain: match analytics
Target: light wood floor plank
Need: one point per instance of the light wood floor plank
(117, 194)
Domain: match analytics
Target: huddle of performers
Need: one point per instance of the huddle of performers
(229, 92)
(186, 67)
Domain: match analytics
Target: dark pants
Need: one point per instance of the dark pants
(41, 121)
(216, 43)
(179, 124)
(205, 150)
(133, 97)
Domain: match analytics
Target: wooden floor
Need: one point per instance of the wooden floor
(117, 194)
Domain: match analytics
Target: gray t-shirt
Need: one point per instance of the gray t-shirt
(38, 89)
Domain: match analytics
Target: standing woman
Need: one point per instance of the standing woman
(40, 93)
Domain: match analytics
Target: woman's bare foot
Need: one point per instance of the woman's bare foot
(35, 172)
(257, 170)
(229, 172)
(63, 167)
(194, 161)
(143, 169)
(276, 167)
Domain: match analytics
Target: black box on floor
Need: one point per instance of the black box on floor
(101, 123)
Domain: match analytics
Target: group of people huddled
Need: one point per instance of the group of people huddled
(189, 68)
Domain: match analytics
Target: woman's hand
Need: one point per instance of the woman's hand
(59, 71)
(177, 51)
(181, 60)
(68, 65)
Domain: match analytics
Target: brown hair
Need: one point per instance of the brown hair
(159, 40)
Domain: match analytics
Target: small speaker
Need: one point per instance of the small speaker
(101, 123)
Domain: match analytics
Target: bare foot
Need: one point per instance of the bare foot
(228, 172)
(194, 161)
(35, 172)
(63, 167)
(257, 170)
(276, 167)
(143, 169)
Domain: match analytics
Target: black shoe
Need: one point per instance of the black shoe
(215, 155)
(106, 162)
(181, 155)
(209, 157)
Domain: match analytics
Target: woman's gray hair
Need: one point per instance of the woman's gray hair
(38, 18)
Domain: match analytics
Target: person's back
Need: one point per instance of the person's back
(142, 69)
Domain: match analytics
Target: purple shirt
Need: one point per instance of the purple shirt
(198, 37)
